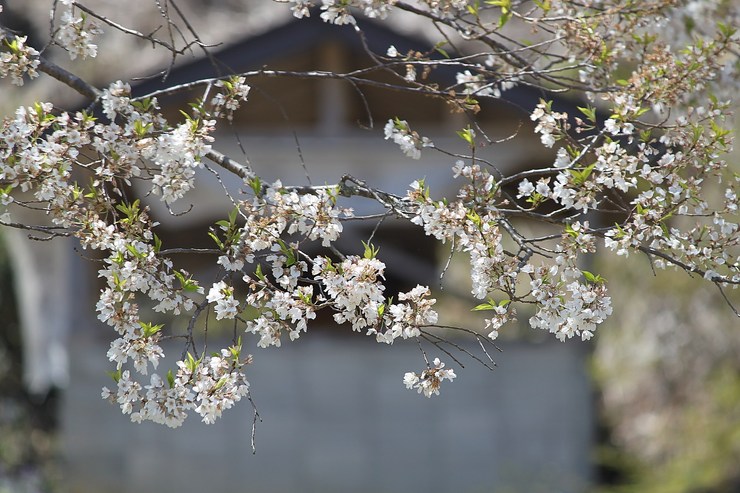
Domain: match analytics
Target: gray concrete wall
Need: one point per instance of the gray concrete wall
(336, 418)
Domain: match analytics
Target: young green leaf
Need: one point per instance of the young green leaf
(370, 251)
(468, 135)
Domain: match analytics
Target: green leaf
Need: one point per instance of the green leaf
(144, 104)
(482, 307)
(132, 211)
(256, 185)
(473, 9)
(115, 375)
(400, 125)
(221, 382)
(188, 283)
(468, 135)
(40, 113)
(149, 329)
(330, 267)
(506, 12)
(192, 363)
(157, 243)
(438, 49)
(504, 18)
(236, 349)
(118, 259)
(232, 216)
(7, 190)
(593, 278)
(727, 30)
(474, 218)
(491, 305)
(642, 111)
(141, 129)
(536, 199)
(12, 45)
(580, 176)
(589, 112)
(381, 310)
(215, 238)
(544, 5)
(290, 254)
(133, 251)
(170, 378)
(370, 250)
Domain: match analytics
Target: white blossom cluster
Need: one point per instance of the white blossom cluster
(208, 386)
(501, 315)
(217, 383)
(405, 320)
(223, 296)
(284, 304)
(408, 140)
(283, 311)
(551, 125)
(175, 152)
(352, 288)
(38, 152)
(141, 350)
(671, 184)
(75, 34)
(276, 212)
(178, 154)
(478, 85)
(18, 60)
(340, 11)
(473, 232)
(429, 380)
(566, 306)
(355, 289)
(664, 181)
(233, 92)
(116, 100)
(135, 268)
(314, 215)
(23, 162)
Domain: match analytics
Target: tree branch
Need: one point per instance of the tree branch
(69, 79)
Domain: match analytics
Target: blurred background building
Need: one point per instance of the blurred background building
(335, 415)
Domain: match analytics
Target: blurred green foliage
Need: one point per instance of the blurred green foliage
(668, 370)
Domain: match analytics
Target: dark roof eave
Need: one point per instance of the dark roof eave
(299, 35)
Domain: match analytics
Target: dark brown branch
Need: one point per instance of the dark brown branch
(688, 268)
(69, 79)
(125, 30)
(241, 170)
(52, 231)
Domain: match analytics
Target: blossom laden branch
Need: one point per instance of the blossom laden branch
(653, 173)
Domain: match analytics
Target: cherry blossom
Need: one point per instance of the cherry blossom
(429, 381)
(636, 166)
